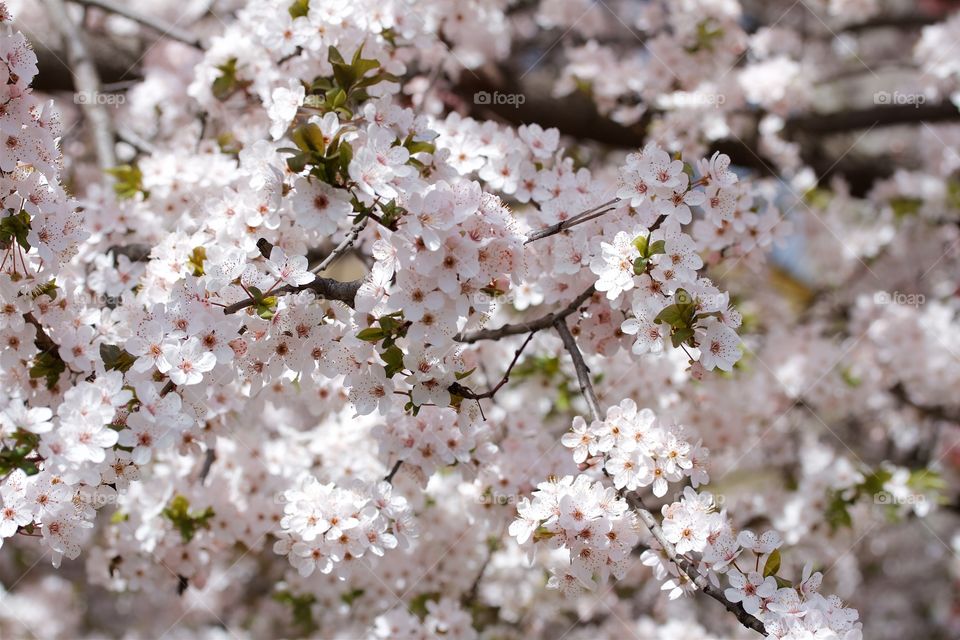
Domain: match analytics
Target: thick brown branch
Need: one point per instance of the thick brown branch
(881, 115)
(327, 288)
(524, 327)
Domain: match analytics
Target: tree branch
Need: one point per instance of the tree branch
(325, 287)
(465, 392)
(648, 519)
(580, 365)
(165, 29)
(87, 83)
(343, 247)
(524, 327)
(687, 568)
(580, 218)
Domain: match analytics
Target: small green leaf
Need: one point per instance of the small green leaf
(393, 357)
(129, 181)
(116, 359)
(299, 9)
(48, 365)
(640, 242)
(371, 334)
(187, 522)
(15, 227)
(196, 259)
(773, 564)
(460, 375)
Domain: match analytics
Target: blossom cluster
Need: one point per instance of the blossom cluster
(325, 525)
(637, 450)
(586, 519)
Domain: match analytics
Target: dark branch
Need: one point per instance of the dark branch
(524, 327)
(327, 288)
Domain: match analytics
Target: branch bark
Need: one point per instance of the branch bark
(165, 29)
(523, 327)
(87, 82)
(327, 288)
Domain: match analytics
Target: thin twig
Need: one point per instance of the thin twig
(208, 459)
(87, 84)
(393, 472)
(580, 218)
(687, 568)
(343, 247)
(165, 29)
(465, 392)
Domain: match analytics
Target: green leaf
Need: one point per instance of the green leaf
(393, 357)
(783, 583)
(227, 83)
(333, 55)
(129, 181)
(773, 564)
(302, 610)
(45, 289)
(187, 522)
(926, 480)
(837, 514)
(671, 315)
(48, 365)
(15, 227)
(299, 9)
(309, 139)
(640, 242)
(460, 375)
(640, 265)
(657, 247)
(418, 605)
(681, 335)
(196, 259)
(116, 359)
(266, 308)
(371, 334)
(904, 207)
